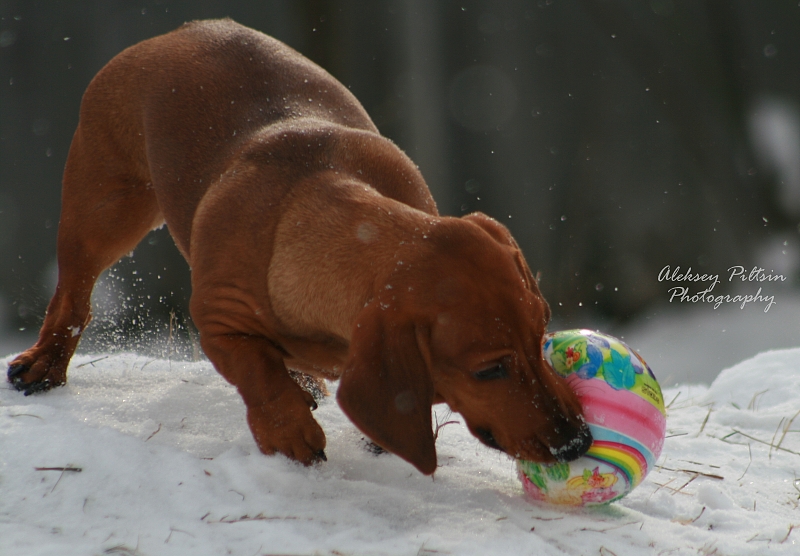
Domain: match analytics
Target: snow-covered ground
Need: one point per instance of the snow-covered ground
(142, 456)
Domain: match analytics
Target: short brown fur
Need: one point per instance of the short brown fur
(314, 245)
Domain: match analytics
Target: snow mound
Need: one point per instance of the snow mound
(770, 379)
(142, 457)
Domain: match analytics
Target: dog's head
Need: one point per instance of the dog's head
(460, 320)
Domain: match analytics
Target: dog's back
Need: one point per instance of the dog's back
(184, 104)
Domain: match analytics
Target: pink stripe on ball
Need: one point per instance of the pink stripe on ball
(620, 410)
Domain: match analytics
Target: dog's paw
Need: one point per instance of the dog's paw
(32, 375)
(372, 448)
(288, 429)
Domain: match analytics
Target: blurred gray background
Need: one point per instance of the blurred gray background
(613, 138)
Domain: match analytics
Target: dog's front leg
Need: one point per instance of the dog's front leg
(278, 410)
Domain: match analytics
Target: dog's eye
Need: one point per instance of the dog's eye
(492, 373)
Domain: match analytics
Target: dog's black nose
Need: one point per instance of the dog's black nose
(575, 448)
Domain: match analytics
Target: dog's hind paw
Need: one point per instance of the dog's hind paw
(34, 378)
(14, 370)
(373, 448)
(311, 384)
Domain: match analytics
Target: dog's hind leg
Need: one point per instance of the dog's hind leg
(107, 208)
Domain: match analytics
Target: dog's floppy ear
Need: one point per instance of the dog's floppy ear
(386, 389)
(501, 234)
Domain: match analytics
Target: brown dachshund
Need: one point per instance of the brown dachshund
(314, 245)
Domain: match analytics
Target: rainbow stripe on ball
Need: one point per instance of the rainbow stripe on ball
(626, 456)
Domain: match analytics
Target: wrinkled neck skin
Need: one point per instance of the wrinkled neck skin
(366, 239)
